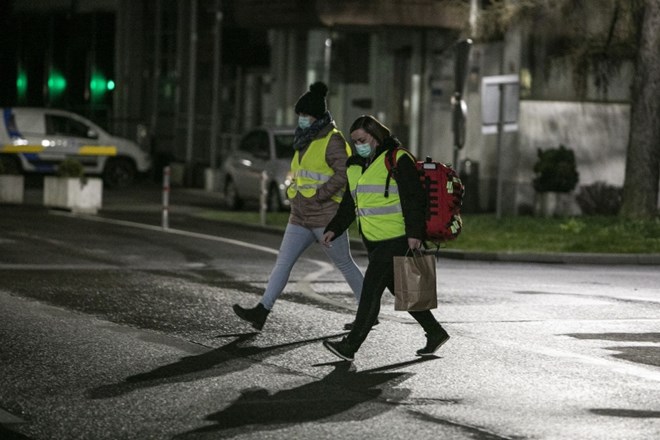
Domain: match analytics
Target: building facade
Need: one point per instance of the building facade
(192, 75)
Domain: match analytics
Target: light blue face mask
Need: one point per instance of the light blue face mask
(304, 122)
(363, 150)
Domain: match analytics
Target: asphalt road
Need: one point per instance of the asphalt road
(112, 328)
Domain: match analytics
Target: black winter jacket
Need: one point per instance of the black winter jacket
(411, 194)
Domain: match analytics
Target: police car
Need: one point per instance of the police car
(36, 140)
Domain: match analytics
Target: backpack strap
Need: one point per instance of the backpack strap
(392, 171)
(391, 165)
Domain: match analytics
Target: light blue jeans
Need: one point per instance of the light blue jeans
(296, 239)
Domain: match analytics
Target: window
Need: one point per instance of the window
(284, 146)
(350, 58)
(63, 126)
(256, 143)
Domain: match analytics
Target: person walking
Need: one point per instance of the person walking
(319, 180)
(390, 224)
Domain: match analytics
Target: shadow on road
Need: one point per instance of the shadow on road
(630, 413)
(191, 368)
(6, 433)
(334, 398)
(648, 355)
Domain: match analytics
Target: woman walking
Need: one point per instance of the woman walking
(319, 180)
(391, 222)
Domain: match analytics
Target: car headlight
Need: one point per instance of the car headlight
(288, 179)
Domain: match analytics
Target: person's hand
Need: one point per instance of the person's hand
(414, 243)
(327, 238)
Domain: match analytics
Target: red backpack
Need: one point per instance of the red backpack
(444, 196)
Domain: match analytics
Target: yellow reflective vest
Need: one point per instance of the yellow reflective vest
(379, 217)
(313, 171)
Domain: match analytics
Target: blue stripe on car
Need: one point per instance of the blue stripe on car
(10, 124)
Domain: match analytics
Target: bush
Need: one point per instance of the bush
(70, 168)
(555, 170)
(599, 198)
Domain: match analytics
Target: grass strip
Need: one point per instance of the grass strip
(486, 233)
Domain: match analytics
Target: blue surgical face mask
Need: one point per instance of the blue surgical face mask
(363, 150)
(304, 122)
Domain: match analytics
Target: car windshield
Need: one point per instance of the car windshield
(284, 145)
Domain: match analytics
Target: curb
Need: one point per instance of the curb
(512, 257)
(554, 258)
(205, 199)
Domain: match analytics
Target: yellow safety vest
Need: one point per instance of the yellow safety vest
(379, 217)
(313, 171)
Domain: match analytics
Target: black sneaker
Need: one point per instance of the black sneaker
(433, 342)
(340, 348)
(349, 325)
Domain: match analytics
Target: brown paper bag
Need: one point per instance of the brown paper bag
(414, 282)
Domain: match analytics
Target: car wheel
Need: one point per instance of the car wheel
(232, 200)
(119, 172)
(273, 202)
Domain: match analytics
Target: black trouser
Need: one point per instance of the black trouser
(380, 275)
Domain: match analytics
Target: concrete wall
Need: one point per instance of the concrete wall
(597, 133)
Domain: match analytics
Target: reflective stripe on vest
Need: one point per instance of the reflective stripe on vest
(380, 211)
(379, 217)
(313, 171)
(375, 189)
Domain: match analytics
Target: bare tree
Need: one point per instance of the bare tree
(642, 177)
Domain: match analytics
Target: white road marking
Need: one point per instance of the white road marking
(304, 285)
(60, 267)
(170, 231)
(324, 267)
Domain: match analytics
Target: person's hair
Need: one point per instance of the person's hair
(372, 126)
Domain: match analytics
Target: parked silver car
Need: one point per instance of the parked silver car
(262, 153)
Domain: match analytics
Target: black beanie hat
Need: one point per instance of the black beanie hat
(313, 102)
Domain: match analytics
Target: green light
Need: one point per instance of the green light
(97, 83)
(99, 86)
(56, 83)
(21, 83)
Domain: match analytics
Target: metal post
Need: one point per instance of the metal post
(166, 197)
(327, 57)
(192, 76)
(215, 90)
(155, 86)
(263, 198)
(459, 107)
(500, 129)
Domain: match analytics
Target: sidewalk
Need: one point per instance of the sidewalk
(148, 196)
